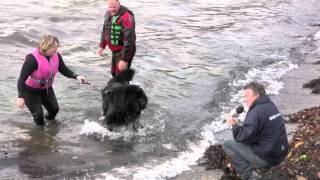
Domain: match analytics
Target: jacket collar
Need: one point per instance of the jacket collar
(261, 100)
(122, 10)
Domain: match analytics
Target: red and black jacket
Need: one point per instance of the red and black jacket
(127, 40)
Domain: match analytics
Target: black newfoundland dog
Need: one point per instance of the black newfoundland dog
(123, 102)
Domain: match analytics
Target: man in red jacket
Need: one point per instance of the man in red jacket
(119, 34)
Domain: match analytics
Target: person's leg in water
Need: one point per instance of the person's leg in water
(116, 57)
(131, 55)
(33, 103)
(49, 101)
(114, 64)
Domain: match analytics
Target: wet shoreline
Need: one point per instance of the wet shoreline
(292, 98)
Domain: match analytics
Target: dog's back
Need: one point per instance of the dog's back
(124, 77)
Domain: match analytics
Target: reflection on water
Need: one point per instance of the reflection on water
(32, 160)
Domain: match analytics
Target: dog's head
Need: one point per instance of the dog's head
(118, 81)
(137, 96)
(124, 77)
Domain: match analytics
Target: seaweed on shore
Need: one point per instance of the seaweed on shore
(303, 159)
(215, 158)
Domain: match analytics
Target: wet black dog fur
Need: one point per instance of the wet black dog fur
(122, 102)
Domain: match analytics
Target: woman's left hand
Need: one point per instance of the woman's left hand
(81, 79)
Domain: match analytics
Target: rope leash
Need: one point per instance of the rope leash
(90, 84)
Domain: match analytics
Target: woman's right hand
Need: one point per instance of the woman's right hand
(20, 103)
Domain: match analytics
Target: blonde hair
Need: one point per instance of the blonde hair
(48, 41)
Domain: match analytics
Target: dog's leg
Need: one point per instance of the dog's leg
(110, 127)
(104, 108)
(109, 117)
(105, 102)
(137, 126)
(136, 123)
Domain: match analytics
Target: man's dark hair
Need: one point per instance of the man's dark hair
(256, 87)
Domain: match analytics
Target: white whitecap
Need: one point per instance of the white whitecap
(92, 128)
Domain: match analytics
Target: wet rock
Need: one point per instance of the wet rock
(316, 90)
(314, 85)
(314, 24)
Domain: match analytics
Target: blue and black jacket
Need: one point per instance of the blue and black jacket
(264, 130)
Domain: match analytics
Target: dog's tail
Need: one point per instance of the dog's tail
(125, 75)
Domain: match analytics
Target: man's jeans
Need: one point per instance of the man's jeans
(243, 158)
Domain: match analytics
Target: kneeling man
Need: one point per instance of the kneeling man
(261, 141)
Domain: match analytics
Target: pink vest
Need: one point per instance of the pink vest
(43, 77)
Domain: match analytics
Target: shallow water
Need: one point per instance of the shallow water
(192, 59)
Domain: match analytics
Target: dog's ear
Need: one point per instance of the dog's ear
(106, 91)
(143, 103)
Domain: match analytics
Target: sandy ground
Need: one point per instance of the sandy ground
(292, 98)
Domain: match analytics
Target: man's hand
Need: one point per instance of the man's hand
(122, 65)
(231, 121)
(100, 51)
(20, 103)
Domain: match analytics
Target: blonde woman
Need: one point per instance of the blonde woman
(37, 76)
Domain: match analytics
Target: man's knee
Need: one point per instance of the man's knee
(228, 144)
(229, 147)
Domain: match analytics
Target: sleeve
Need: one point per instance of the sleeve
(128, 31)
(64, 70)
(103, 41)
(30, 64)
(248, 132)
